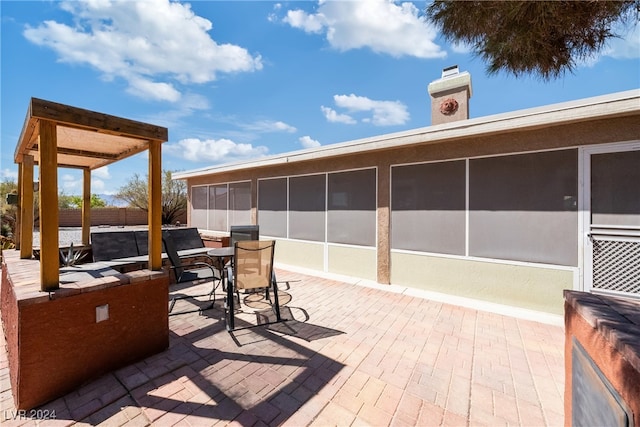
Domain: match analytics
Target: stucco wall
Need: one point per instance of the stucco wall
(528, 287)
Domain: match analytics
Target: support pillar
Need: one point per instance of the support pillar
(155, 206)
(86, 205)
(384, 224)
(25, 203)
(49, 245)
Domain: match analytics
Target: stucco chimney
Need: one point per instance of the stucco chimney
(450, 96)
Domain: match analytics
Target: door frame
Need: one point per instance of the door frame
(585, 245)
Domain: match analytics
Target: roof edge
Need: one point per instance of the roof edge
(566, 112)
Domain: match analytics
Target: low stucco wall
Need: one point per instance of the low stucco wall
(301, 254)
(533, 288)
(344, 260)
(54, 342)
(353, 261)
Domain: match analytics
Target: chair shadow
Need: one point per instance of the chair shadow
(292, 325)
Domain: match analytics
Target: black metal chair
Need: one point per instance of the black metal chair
(238, 233)
(190, 272)
(252, 269)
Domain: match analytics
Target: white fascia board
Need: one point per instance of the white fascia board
(618, 104)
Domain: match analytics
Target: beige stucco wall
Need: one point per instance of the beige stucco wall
(301, 254)
(522, 286)
(525, 286)
(352, 261)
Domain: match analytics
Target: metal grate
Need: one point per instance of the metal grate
(616, 265)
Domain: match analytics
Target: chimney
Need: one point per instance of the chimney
(450, 96)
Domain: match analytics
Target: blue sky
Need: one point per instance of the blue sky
(237, 80)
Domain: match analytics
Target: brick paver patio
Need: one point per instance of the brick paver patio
(353, 355)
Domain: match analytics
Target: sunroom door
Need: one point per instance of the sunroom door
(612, 219)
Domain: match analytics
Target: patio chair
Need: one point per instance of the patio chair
(252, 269)
(186, 271)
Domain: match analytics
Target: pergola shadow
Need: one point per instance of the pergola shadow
(242, 383)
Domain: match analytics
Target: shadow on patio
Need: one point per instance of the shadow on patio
(351, 355)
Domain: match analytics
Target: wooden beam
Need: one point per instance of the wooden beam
(25, 199)
(155, 206)
(83, 153)
(29, 132)
(65, 114)
(49, 245)
(86, 206)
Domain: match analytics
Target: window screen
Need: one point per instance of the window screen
(272, 207)
(240, 203)
(428, 207)
(218, 207)
(615, 189)
(199, 207)
(307, 200)
(524, 207)
(351, 213)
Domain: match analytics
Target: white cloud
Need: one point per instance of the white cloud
(383, 113)
(70, 184)
(10, 174)
(214, 150)
(334, 117)
(627, 46)
(308, 23)
(265, 126)
(308, 142)
(380, 25)
(155, 45)
(102, 172)
(97, 186)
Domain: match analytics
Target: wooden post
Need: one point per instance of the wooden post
(25, 201)
(86, 205)
(155, 206)
(49, 245)
(18, 223)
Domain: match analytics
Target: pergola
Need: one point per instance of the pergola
(56, 135)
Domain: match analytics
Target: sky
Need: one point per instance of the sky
(240, 80)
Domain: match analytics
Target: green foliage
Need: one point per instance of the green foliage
(541, 38)
(8, 211)
(174, 195)
(75, 202)
(6, 243)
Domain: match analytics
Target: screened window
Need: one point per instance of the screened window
(218, 207)
(524, 207)
(428, 207)
(615, 193)
(351, 210)
(272, 207)
(239, 203)
(307, 200)
(199, 206)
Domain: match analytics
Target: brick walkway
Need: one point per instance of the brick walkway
(353, 355)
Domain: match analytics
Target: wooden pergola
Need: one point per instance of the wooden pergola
(56, 135)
